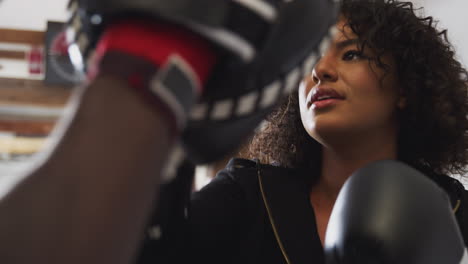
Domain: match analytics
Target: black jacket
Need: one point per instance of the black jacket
(255, 213)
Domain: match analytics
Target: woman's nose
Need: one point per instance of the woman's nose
(325, 70)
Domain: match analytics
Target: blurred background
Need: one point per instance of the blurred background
(36, 79)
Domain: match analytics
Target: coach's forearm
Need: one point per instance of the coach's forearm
(89, 201)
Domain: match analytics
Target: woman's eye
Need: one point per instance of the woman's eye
(352, 55)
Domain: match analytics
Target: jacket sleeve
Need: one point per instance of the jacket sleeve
(216, 219)
(462, 216)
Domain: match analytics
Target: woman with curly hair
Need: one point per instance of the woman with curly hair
(388, 87)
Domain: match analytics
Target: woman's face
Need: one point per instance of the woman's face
(345, 95)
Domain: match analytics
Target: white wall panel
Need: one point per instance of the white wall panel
(31, 14)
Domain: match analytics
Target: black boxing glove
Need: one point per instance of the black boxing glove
(262, 49)
(388, 212)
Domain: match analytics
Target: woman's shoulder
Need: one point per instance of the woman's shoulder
(242, 175)
(458, 196)
(240, 169)
(230, 181)
(452, 186)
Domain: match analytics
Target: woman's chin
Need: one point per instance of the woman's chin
(332, 133)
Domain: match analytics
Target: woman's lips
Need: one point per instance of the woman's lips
(324, 97)
(325, 103)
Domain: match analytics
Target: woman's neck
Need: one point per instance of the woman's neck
(342, 160)
(338, 163)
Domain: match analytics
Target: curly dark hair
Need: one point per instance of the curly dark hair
(433, 125)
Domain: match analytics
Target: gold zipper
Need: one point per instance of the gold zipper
(272, 222)
(457, 205)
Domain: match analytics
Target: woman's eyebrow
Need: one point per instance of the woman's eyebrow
(345, 43)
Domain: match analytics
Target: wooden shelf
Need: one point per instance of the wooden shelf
(29, 107)
(30, 37)
(23, 127)
(32, 92)
(13, 54)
